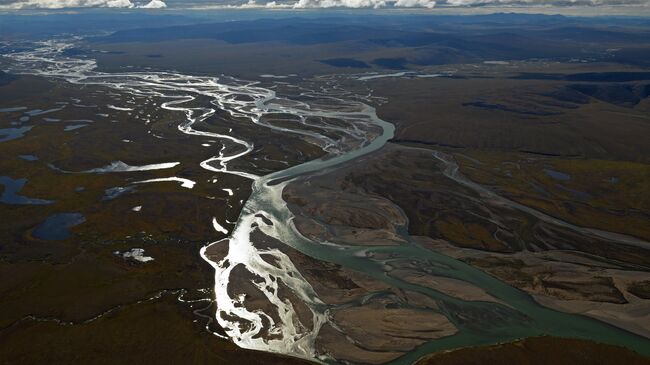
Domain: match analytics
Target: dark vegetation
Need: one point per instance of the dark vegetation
(71, 297)
(6, 78)
(539, 351)
(431, 40)
(641, 289)
(618, 94)
(345, 62)
(588, 76)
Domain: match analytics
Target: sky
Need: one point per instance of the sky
(310, 4)
(63, 4)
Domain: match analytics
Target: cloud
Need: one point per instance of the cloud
(456, 3)
(309, 4)
(154, 4)
(306, 4)
(62, 4)
(475, 3)
(326, 4)
(377, 4)
(415, 4)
